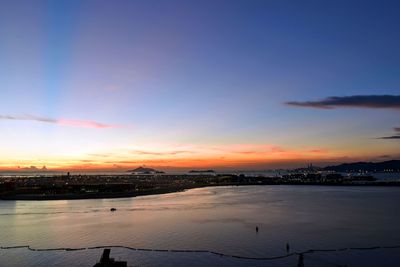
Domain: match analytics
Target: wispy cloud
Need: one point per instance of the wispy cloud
(318, 151)
(357, 101)
(244, 148)
(84, 124)
(101, 155)
(164, 153)
(259, 151)
(64, 122)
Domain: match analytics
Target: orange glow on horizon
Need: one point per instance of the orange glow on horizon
(236, 156)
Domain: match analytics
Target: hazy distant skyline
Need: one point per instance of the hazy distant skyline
(107, 85)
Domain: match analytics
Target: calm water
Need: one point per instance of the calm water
(221, 219)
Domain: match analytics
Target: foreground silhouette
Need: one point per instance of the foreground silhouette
(106, 261)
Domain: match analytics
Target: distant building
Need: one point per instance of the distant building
(334, 176)
(313, 176)
(202, 172)
(143, 170)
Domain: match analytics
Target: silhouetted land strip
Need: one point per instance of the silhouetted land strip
(121, 186)
(392, 165)
(98, 195)
(205, 251)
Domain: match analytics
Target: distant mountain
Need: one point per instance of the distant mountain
(391, 165)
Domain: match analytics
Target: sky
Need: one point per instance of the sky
(240, 85)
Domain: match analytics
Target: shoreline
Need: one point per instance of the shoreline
(111, 195)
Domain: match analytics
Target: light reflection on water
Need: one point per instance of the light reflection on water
(221, 219)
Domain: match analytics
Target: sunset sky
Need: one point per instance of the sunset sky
(113, 85)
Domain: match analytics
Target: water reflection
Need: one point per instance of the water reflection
(220, 219)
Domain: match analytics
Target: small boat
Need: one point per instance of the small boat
(113, 209)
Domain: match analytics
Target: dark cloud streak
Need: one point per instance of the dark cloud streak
(27, 118)
(389, 137)
(355, 101)
(395, 136)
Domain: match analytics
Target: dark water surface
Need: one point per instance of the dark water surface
(221, 219)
